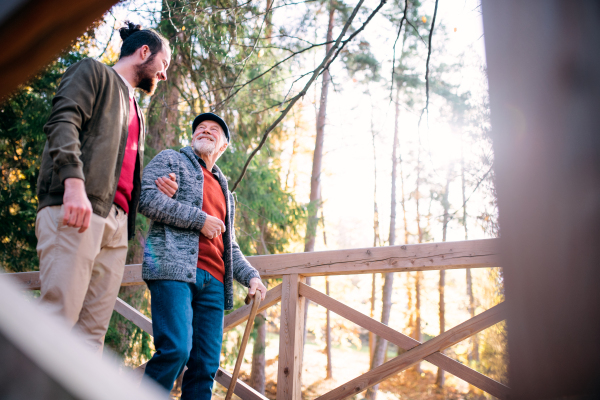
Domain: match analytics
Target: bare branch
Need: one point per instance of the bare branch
(359, 30)
(427, 65)
(395, 42)
(249, 55)
(325, 63)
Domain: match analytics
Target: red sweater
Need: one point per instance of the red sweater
(125, 186)
(210, 254)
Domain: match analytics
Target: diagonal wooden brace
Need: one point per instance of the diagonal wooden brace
(462, 371)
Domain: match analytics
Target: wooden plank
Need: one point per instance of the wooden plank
(241, 314)
(24, 280)
(51, 26)
(405, 342)
(416, 354)
(133, 315)
(39, 349)
(242, 389)
(31, 280)
(132, 275)
(414, 257)
(290, 339)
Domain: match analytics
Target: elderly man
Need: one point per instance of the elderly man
(191, 258)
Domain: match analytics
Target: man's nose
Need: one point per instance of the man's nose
(162, 76)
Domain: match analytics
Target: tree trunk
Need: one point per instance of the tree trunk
(372, 314)
(376, 238)
(381, 344)
(257, 374)
(446, 204)
(473, 354)
(163, 112)
(315, 180)
(328, 336)
(418, 275)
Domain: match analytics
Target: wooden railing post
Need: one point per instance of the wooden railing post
(290, 339)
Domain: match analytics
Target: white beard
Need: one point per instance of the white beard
(205, 147)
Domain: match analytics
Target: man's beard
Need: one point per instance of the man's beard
(205, 147)
(146, 78)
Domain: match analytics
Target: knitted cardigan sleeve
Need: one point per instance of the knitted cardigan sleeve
(158, 206)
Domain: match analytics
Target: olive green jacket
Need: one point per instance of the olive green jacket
(87, 133)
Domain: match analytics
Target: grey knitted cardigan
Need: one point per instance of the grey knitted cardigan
(171, 250)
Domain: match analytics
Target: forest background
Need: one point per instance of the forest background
(389, 145)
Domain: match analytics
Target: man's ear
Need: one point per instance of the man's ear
(222, 149)
(145, 52)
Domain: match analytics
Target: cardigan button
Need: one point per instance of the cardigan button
(192, 251)
(198, 177)
(196, 202)
(189, 275)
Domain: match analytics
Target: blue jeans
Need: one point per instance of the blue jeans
(187, 320)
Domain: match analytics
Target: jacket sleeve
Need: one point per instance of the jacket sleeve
(72, 107)
(243, 271)
(158, 206)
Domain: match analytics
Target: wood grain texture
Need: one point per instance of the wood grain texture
(133, 315)
(37, 30)
(31, 280)
(290, 339)
(414, 257)
(240, 357)
(414, 355)
(241, 314)
(405, 342)
(242, 389)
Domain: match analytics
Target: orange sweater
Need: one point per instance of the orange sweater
(210, 254)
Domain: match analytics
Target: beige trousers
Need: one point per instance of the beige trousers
(81, 272)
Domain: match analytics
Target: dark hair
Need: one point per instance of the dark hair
(135, 37)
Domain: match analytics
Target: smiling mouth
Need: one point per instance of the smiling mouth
(206, 137)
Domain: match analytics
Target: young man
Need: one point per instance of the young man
(191, 258)
(90, 178)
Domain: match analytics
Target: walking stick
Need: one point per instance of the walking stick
(240, 358)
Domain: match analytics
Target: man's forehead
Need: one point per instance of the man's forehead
(209, 123)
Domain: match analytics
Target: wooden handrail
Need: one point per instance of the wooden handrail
(413, 257)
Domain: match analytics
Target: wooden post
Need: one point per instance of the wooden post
(290, 339)
(543, 67)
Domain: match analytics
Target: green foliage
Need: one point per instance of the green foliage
(22, 117)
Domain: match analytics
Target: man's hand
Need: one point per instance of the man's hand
(77, 206)
(167, 185)
(256, 284)
(213, 227)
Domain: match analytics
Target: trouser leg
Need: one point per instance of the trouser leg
(66, 262)
(171, 304)
(208, 305)
(107, 274)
